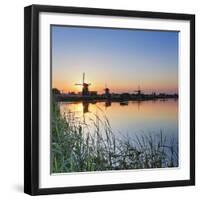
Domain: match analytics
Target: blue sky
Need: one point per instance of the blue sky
(121, 58)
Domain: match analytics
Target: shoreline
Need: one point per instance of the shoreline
(67, 98)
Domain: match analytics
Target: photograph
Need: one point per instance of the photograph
(114, 99)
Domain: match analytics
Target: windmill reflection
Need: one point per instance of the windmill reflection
(138, 104)
(107, 104)
(85, 107)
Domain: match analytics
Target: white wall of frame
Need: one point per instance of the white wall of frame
(11, 99)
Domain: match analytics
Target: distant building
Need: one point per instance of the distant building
(125, 95)
(56, 91)
(72, 93)
(153, 94)
(93, 93)
(175, 95)
(162, 95)
(115, 95)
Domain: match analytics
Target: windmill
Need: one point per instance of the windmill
(85, 86)
(139, 91)
(107, 91)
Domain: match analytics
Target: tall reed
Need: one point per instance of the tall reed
(74, 148)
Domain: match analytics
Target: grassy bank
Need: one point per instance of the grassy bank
(75, 149)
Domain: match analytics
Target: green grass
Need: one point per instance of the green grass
(75, 149)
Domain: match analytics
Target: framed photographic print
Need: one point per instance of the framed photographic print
(109, 99)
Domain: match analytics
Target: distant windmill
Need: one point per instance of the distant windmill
(107, 91)
(85, 86)
(139, 91)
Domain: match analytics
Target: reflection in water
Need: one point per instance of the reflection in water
(107, 103)
(85, 107)
(129, 118)
(124, 103)
(115, 136)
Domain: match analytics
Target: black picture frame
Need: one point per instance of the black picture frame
(31, 99)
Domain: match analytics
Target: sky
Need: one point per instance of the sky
(121, 59)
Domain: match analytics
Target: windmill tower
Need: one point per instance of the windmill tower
(139, 91)
(85, 86)
(107, 91)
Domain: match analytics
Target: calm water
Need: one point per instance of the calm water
(141, 118)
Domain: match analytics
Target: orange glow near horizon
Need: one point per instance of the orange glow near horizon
(116, 87)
